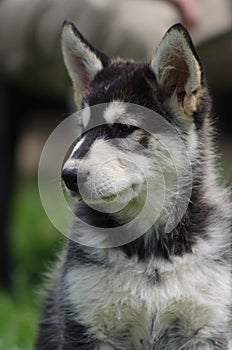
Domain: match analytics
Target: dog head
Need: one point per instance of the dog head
(118, 158)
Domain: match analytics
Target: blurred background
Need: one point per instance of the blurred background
(35, 95)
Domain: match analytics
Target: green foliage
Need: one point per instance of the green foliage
(18, 321)
(33, 242)
(33, 237)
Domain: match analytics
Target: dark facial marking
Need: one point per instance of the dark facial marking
(106, 132)
(124, 81)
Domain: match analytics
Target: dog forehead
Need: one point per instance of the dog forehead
(113, 111)
(124, 81)
(102, 114)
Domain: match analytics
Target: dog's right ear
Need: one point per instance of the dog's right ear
(82, 60)
(178, 72)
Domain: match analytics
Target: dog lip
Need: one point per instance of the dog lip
(100, 199)
(112, 196)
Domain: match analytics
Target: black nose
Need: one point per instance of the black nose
(70, 179)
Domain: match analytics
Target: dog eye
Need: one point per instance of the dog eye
(124, 129)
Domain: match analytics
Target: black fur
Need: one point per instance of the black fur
(60, 327)
(108, 132)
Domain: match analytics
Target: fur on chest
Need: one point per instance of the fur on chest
(144, 299)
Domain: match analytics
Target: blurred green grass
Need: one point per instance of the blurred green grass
(34, 242)
(17, 322)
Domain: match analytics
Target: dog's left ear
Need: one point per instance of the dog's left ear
(82, 60)
(178, 71)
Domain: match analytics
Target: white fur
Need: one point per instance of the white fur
(193, 287)
(174, 48)
(135, 182)
(74, 48)
(173, 58)
(71, 163)
(85, 115)
(111, 171)
(147, 297)
(127, 295)
(114, 111)
(127, 302)
(82, 64)
(192, 142)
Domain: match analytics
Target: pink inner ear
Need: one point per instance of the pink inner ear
(83, 77)
(177, 78)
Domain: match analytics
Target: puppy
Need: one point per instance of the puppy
(153, 287)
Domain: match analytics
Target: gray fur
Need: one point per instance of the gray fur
(163, 291)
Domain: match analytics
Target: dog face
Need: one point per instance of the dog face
(114, 164)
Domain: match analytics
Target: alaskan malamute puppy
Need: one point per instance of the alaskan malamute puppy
(163, 289)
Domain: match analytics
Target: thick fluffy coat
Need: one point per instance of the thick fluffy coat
(163, 290)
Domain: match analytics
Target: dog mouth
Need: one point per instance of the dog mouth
(110, 198)
(125, 195)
